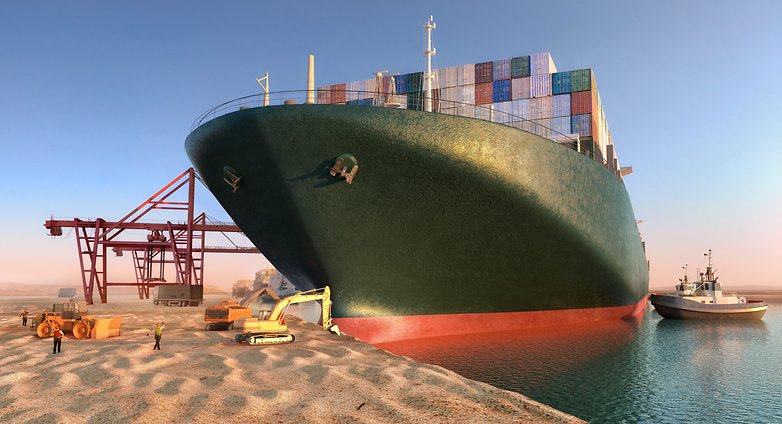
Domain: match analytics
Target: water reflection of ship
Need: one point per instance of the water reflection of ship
(718, 356)
(521, 360)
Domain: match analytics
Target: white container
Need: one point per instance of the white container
(402, 100)
(542, 63)
(452, 76)
(371, 85)
(540, 85)
(520, 108)
(466, 74)
(519, 88)
(448, 77)
(540, 108)
(356, 90)
(468, 94)
(502, 112)
(560, 106)
(450, 96)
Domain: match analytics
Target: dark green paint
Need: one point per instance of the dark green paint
(446, 214)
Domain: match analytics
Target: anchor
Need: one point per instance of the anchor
(345, 165)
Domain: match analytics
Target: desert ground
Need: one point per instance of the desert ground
(206, 377)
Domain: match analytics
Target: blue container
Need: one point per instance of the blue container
(362, 102)
(501, 91)
(401, 82)
(560, 83)
(581, 124)
(561, 125)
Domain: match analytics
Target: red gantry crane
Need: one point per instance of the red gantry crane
(181, 244)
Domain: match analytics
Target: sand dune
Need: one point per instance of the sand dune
(207, 377)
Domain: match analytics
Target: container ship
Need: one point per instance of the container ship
(475, 198)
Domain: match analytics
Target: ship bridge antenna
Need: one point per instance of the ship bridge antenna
(429, 52)
(709, 271)
(265, 88)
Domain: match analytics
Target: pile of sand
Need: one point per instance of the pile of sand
(207, 377)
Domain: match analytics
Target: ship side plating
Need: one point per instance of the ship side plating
(447, 215)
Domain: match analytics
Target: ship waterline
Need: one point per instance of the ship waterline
(448, 217)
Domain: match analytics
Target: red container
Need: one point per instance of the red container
(483, 72)
(324, 95)
(484, 93)
(338, 93)
(582, 102)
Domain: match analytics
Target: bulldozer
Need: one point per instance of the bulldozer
(70, 317)
(270, 327)
(223, 315)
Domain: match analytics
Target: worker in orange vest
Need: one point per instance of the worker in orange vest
(158, 334)
(58, 334)
(24, 316)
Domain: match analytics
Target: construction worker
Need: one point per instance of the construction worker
(24, 316)
(158, 333)
(57, 333)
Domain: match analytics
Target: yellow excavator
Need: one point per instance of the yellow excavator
(271, 328)
(223, 315)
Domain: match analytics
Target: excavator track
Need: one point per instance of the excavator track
(257, 339)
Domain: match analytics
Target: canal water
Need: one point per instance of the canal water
(648, 370)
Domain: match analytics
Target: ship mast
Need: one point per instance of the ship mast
(429, 52)
(265, 88)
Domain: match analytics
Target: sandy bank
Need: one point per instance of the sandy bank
(207, 377)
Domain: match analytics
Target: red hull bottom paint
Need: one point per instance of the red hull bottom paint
(389, 329)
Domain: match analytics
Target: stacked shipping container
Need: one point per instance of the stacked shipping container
(524, 89)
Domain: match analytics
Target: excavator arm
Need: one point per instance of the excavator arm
(258, 293)
(322, 294)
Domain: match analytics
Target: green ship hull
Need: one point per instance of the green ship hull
(446, 216)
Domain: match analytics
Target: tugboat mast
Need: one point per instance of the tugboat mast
(429, 52)
(709, 272)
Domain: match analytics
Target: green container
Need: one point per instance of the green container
(415, 100)
(415, 82)
(519, 67)
(588, 147)
(580, 80)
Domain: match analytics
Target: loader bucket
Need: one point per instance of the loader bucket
(106, 327)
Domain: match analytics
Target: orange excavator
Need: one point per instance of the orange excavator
(223, 315)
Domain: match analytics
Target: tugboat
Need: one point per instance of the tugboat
(704, 299)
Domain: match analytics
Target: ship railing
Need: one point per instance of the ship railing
(412, 101)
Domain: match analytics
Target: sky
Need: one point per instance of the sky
(98, 97)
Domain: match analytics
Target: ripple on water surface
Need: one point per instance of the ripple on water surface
(650, 370)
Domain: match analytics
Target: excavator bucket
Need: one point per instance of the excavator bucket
(106, 327)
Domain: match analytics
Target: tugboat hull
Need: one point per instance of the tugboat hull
(674, 307)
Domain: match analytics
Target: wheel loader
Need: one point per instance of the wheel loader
(70, 317)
